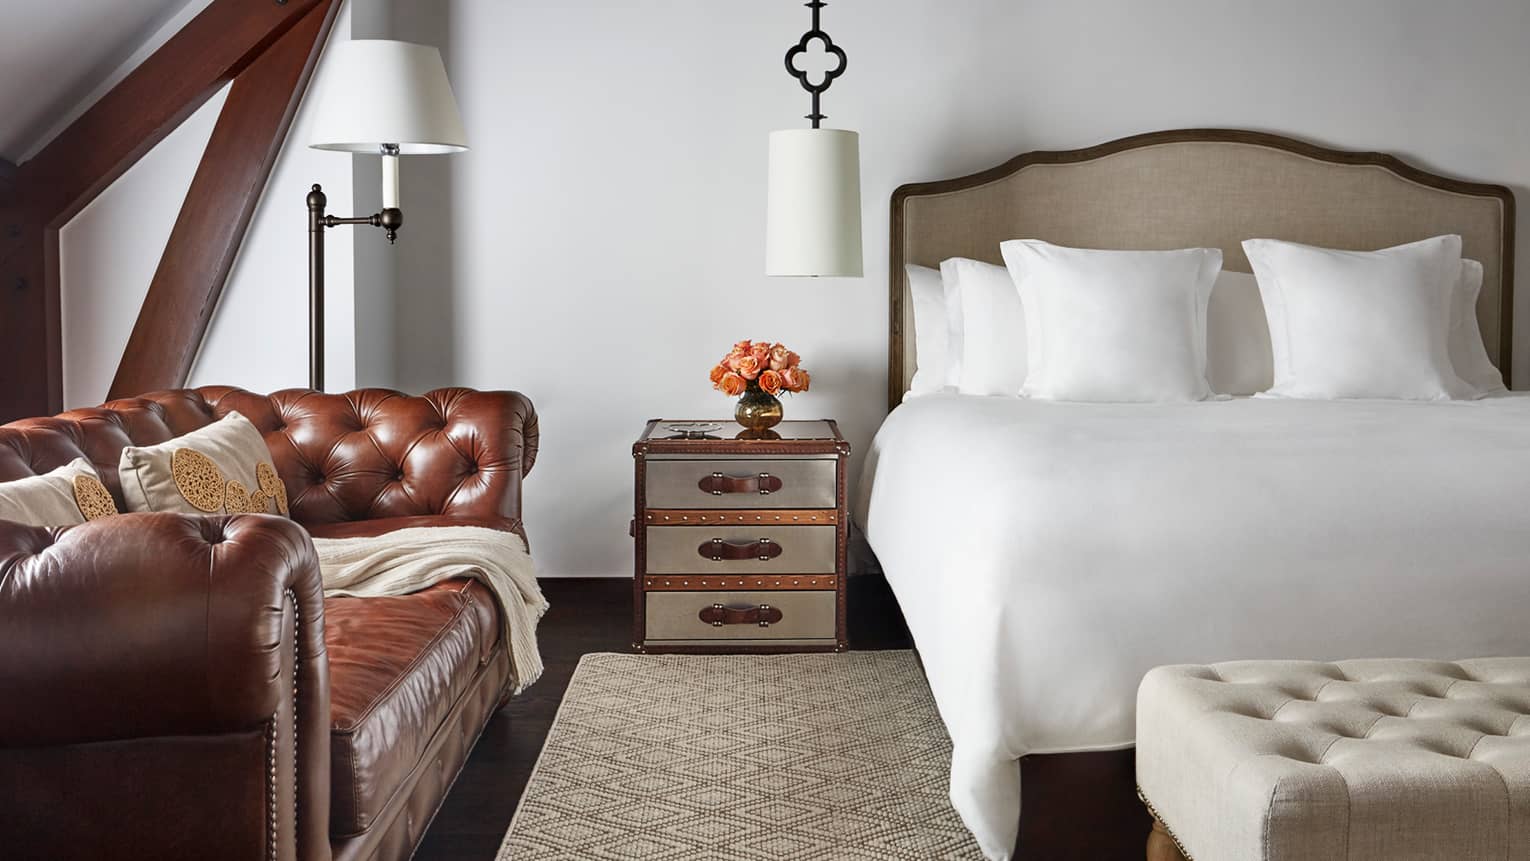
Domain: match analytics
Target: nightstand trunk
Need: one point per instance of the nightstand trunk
(740, 543)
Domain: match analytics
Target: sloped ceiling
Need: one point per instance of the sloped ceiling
(54, 52)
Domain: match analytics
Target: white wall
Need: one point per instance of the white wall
(109, 251)
(602, 244)
(258, 338)
(606, 231)
(376, 262)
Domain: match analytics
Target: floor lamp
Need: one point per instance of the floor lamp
(385, 98)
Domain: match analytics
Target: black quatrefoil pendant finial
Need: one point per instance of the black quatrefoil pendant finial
(816, 34)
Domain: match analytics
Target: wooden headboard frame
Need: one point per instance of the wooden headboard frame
(1199, 187)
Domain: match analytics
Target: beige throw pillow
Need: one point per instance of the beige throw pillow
(67, 496)
(224, 468)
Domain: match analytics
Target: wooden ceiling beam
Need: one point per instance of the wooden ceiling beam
(30, 379)
(45, 192)
(211, 50)
(217, 210)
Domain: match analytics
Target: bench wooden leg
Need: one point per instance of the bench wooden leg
(1161, 847)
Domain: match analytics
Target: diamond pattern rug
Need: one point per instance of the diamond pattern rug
(742, 758)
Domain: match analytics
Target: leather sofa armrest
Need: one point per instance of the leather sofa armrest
(176, 630)
(528, 430)
(499, 431)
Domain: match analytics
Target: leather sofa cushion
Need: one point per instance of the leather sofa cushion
(397, 665)
(377, 526)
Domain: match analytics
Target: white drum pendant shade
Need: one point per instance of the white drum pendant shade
(813, 207)
(378, 91)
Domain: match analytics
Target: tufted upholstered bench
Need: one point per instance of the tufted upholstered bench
(1355, 760)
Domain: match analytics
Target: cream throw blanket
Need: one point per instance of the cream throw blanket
(408, 560)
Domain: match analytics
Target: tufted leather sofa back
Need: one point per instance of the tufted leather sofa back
(362, 455)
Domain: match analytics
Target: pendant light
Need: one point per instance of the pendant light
(813, 205)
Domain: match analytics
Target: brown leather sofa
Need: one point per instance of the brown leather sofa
(178, 687)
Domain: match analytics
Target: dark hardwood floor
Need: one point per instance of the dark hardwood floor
(587, 615)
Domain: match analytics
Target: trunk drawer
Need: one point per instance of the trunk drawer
(678, 616)
(754, 483)
(741, 549)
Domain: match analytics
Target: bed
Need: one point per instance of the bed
(1046, 554)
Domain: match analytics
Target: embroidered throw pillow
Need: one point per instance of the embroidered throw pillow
(67, 496)
(224, 468)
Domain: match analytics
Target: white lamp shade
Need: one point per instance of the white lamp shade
(377, 92)
(813, 206)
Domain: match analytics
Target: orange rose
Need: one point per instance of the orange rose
(761, 353)
(742, 347)
(732, 384)
(717, 374)
(807, 379)
(778, 358)
(747, 366)
(792, 359)
(770, 381)
(794, 380)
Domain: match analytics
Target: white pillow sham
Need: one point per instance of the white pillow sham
(1238, 359)
(931, 331)
(1114, 326)
(1468, 354)
(1360, 324)
(988, 328)
(955, 328)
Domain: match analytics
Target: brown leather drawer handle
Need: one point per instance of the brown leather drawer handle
(718, 615)
(717, 484)
(718, 550)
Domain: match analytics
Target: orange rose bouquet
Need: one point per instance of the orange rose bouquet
(755, 372)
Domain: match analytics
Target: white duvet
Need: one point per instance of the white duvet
(1046, 554)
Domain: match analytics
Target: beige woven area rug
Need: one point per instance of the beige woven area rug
(742, 758)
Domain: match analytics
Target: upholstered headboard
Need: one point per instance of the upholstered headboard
(1204, 188)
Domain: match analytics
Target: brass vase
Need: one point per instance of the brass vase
(757, 410)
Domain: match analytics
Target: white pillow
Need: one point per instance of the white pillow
(931, 330)
(1114, 326)
(1360, 324)
(1238, 360)
(1468, 355)
(956, 330)
(987, 314)
(1238, 352)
